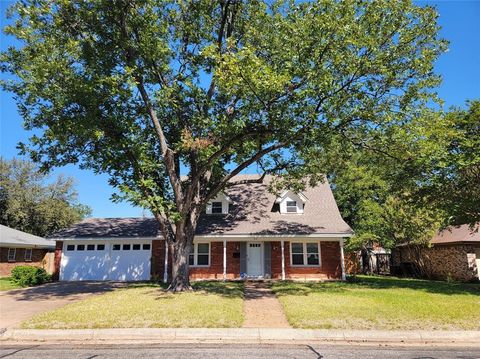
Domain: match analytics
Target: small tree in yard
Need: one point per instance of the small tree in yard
(139, 89)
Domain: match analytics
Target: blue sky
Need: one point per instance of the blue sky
(460, 68)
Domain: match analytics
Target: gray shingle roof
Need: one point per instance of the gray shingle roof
(253, 213)
(457, 234)
(14, 238)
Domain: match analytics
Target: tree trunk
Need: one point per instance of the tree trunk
(180, 267)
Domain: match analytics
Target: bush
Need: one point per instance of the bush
(27, 276)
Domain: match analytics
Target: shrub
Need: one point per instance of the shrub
(27, 276)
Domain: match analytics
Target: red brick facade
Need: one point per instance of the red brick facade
(57, 260)
(6, 266)
(330, 262)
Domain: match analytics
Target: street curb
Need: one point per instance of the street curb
(240, 335)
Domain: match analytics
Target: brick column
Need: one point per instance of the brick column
(57, 261)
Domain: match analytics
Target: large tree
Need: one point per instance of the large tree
(33, 203)
(139, 89)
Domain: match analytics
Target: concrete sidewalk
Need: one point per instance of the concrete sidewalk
(241, 335)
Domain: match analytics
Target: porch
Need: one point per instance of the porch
(257, 259)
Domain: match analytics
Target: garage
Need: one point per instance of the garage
(127, 260)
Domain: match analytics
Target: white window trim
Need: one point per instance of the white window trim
(305, 254)
(222, 205)
(28, 250)
(195, 255)
(295, 206)
(14, 254)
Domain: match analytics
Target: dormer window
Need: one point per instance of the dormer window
(217, 208)
(219, 205)
(291, 207)
(290, 202)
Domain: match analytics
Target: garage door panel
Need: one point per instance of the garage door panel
(106, 263)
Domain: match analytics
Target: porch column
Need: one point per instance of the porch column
(165, 270)
(283, 260)
(224, 260)
(342, 260)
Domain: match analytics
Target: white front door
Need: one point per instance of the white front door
(254, 259)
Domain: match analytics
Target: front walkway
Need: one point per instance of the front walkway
(261, 308)
(20, 304)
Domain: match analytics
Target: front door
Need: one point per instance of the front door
(254, 259)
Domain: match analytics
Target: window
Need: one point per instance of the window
(116, 247)
(11, 254)
(90, 247)
(100, 247)
(200, 255)
(70, 247)
(146, 247)
(28, 254)
(297, 254)
(291, 207)
(217, 207)
(81, 247)
(136, 247)
(305, 254)
(126, 247)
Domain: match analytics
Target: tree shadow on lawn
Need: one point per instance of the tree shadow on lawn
(376, 282)
(225, 289)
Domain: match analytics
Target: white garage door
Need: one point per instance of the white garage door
(107, 260)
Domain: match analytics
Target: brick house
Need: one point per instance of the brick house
(20, 248)
(246, 232)
(454, 253)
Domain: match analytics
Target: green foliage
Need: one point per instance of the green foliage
(231, 83)
(27, 276)
(30, 203)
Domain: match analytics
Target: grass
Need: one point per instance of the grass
(381, 303)
(7, 284)
(212, 304)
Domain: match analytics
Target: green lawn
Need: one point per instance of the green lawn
(213, 304)
(381, 303)
(6, 284)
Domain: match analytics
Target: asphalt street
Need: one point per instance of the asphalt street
(190, 351)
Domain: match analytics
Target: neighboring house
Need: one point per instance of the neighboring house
(454, 253)
(20, 248)
(246, 232)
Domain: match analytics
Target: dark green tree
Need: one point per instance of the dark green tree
(138, 88)
(31, 203)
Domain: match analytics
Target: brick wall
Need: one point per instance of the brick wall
(38, 260)
(57, 260)
(330, 268)
(441, 261)
(330, 256)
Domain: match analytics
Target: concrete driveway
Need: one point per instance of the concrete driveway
(20, 304)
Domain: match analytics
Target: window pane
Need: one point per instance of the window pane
(216, 207)
(126, 247)
(28, 254)
(291, 204)
(100, 247)
(90, 247)
(81, 247)
(312, 248)
(11, 254)
(297, 259)
(202, 260)
(297, 248)
(70, 247)
(190, 259)
(202, 248)
(146, 247)
(136, 247)
(116, 247)
(312, 259)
